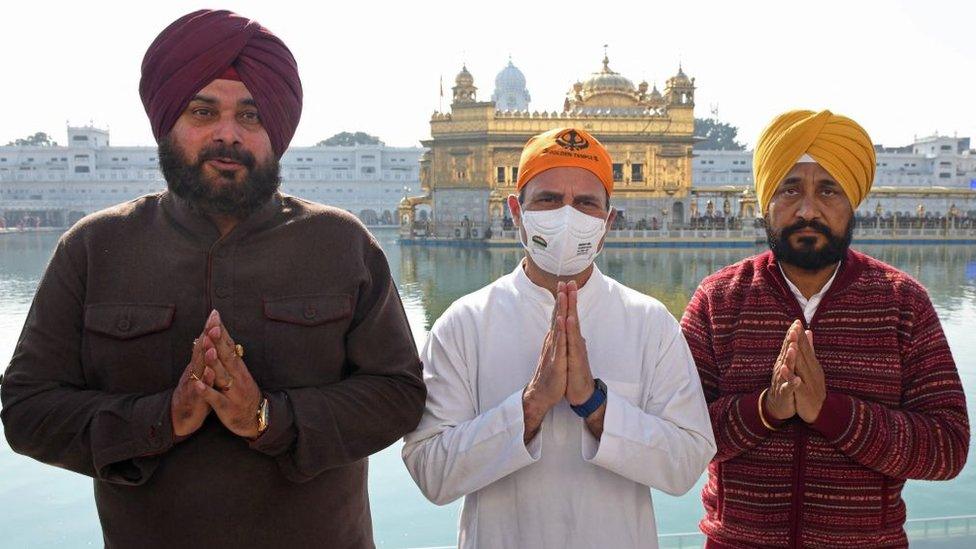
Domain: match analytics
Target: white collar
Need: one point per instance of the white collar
(597, 287)
(799, 295)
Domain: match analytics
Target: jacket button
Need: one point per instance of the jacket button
(123, 325)
(155, 443)
(310, 312)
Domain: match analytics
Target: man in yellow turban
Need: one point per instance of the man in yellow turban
(832, 157)
(827, 375)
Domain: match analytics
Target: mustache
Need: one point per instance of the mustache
(803, 224)
(220, 150)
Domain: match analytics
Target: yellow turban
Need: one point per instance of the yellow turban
(836, 142)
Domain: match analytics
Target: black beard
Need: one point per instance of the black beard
(806, 257)
(239, 200)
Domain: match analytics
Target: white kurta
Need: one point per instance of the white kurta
(566, 489)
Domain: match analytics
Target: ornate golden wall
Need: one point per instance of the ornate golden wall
(476, 147)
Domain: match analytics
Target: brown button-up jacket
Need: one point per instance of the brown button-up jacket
(308, 293)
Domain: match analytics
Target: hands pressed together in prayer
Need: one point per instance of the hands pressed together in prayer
(563, 370)
(797, 386)
(216, 379)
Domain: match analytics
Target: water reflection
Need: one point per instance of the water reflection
(948, 272)
(22, 261)
(433, 277)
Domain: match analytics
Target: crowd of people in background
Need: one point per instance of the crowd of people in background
(865, 220)
(22, 223)
(907, 220)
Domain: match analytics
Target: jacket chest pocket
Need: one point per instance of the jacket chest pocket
(304, 340)
(128, 346)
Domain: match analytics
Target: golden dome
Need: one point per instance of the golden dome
(464, 77)
(607, 80)
(681, 76)
(655, 94)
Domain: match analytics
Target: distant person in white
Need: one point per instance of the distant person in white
(557, 396)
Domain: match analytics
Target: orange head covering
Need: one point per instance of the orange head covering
(565, 147)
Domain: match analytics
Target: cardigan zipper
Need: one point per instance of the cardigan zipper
(801, 434)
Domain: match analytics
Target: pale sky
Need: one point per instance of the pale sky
(899, 68)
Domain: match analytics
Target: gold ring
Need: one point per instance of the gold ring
(195, 341)
(239, 350)
(194, 376)
(230, 383)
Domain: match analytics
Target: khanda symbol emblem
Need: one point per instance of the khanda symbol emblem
(572, 140)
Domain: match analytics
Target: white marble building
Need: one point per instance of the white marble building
(936, 161)
(60, 184)
(934, 176)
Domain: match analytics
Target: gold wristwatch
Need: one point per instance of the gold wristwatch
(263, 416)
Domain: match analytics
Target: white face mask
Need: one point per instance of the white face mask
(563, 242)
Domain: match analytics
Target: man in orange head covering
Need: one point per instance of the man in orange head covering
(828, 377)
(558, 396)
(247, 427)
(550, 158)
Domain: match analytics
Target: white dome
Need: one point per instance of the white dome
(510, 91)
(510, 77)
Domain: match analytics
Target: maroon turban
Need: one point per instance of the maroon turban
(198, 48)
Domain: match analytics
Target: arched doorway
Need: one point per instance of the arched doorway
(748, 213)
(678, 213)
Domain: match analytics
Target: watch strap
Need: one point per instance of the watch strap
(596, 400)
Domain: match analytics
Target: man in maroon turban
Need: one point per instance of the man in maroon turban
(196, 56)
(220, 358)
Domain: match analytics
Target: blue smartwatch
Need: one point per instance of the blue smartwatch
(596, 400)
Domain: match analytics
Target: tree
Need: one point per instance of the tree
(347, 139)
(39, 139)
(716, 136)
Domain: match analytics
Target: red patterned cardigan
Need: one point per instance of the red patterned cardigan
(895, 407)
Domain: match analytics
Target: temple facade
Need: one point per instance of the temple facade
(471, 162)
